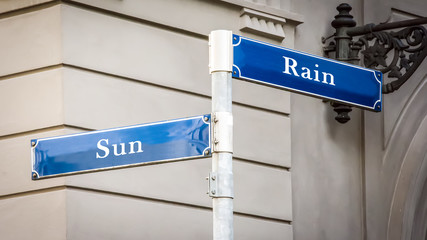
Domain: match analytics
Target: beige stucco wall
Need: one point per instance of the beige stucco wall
(75, 66)
(72, 68)
(326, 155)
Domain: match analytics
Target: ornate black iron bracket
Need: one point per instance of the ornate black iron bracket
(397, 54)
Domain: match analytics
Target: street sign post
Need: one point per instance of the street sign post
(308, 74)
(221, 182)
(127, 146)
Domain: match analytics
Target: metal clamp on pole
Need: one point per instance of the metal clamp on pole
(221, 178)
(220, 185)
(222, 132)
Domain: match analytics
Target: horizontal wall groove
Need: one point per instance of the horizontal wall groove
(29, 9)
(32, 192)
(31, 71)
(181, 204)
(41, 130)
(282, 114)
(135, 19)
(34, 131)
(288, 222)
(132, 196)
(236, 158)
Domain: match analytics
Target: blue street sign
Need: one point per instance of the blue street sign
(300, 72)
(127, 146)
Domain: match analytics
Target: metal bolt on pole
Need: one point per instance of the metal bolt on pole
(221, 187)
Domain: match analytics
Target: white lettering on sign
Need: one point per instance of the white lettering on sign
(291, 69)
(105, 151)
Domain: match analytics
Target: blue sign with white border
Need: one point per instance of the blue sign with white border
(173, 140)
(304, 73)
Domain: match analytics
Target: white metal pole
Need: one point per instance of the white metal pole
(221, 186)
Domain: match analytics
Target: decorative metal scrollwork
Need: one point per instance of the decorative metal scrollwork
(407, 47)
(396, 54)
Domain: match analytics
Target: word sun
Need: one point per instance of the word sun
(291, 69)
(106, 150)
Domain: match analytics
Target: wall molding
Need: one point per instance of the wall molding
(282, 13)
(261, 23)
(265, 20)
